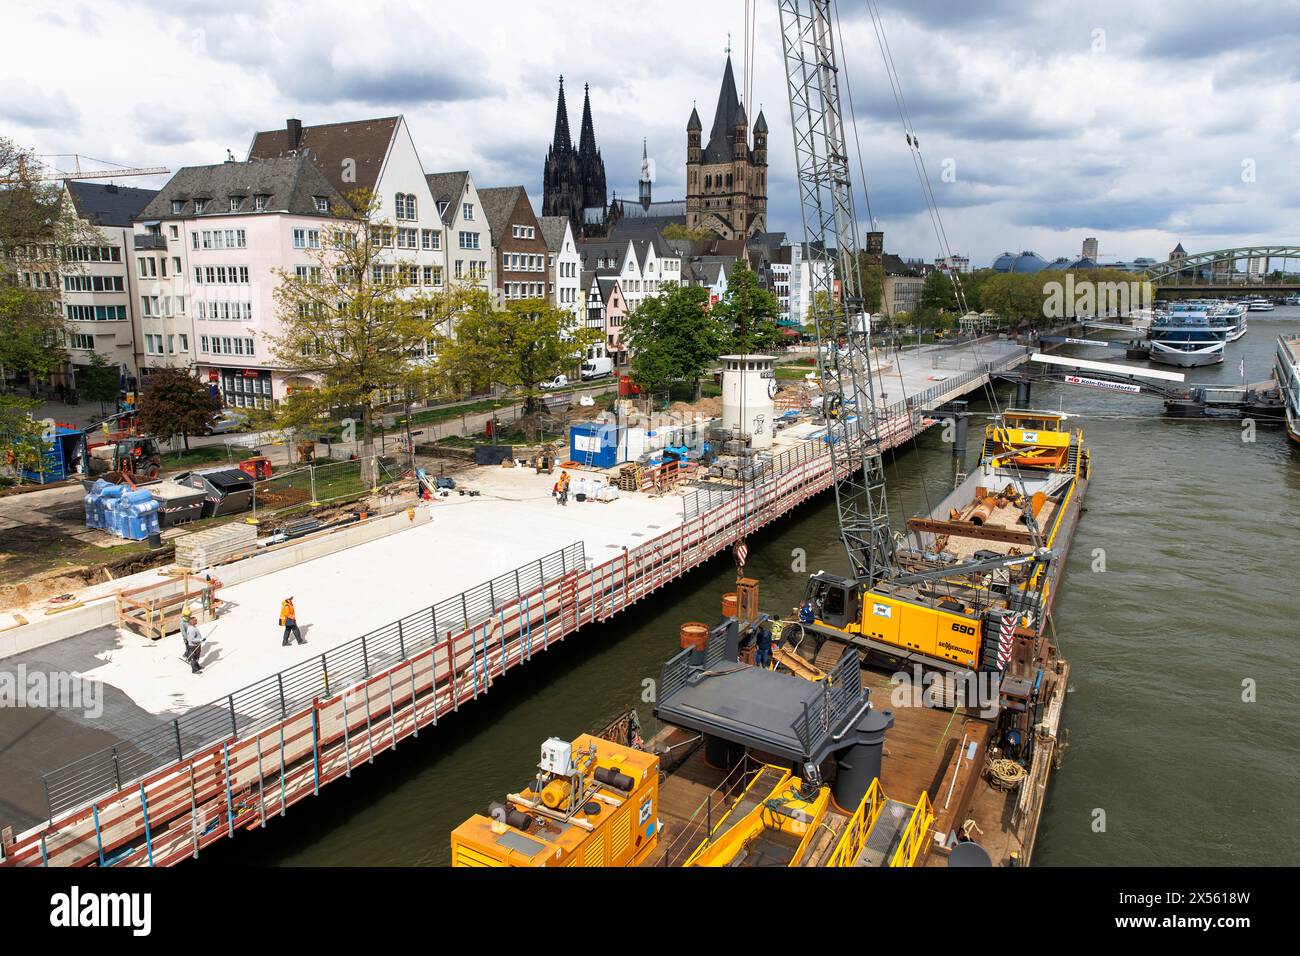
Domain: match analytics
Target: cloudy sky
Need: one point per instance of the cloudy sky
(1041, 121)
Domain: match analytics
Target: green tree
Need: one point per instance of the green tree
(527, 342)
(99, 381)
(1015, 296)
(351, 323)
(21, 436)
(673, 337)
(748, 312)
(175, 403)
(36, 227)
(938, 294)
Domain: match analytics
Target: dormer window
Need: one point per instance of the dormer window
(259, 203)
(200, 205)
(178, 206)
(235, 203)
(442, 207)
(322, 203)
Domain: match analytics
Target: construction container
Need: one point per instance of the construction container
(730, 604)
(594, 444)
(177, 503)
(226, 491)
(62, 455)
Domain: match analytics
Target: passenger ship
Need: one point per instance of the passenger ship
(1287, 372)
(1194, 333)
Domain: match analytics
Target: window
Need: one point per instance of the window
(178, 206)
(259, 203)
(322, 204)
(469, 240)
(467, 211)
(199, 206)
(306, 238)
(430, 239)
(406, 238)
(442, 207)
(173, 232)
(406, 206)
(79, 340)
(235, 203)
(184, 343)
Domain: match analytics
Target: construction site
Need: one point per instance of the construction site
(411, 602)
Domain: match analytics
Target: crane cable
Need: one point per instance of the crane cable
(914, 147)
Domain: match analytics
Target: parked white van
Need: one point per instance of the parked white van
(597, 368)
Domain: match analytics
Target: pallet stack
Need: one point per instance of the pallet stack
(630, 477)
(203, 549)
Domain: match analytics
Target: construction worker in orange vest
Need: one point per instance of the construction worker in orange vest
(289, 621)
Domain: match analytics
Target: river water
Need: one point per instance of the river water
(1178, 613)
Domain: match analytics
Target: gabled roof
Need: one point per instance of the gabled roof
(107, 204)
(447, 187)
(291, 184)
(607, 286)
(360, 146)
(553, 229)
(594, 252)
(499, 205)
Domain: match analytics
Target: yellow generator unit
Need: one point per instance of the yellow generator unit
(593, 803)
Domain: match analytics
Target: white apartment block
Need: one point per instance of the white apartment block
(564, 265)
(208, 252)
(793, 274)
(468, 257)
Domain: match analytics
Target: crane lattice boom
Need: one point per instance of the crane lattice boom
(831, 231)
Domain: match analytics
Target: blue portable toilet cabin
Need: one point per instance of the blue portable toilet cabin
(594, 444)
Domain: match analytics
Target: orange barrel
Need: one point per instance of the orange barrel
(694, 635)
(730, 604)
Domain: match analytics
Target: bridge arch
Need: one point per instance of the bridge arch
(1220, 266)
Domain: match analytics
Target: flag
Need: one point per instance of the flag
(742, 552)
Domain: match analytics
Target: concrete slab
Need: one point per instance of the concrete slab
(514, 520)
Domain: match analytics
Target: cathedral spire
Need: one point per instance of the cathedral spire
(587, 142)
(561, 140)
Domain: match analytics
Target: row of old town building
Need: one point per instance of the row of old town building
(186, 276)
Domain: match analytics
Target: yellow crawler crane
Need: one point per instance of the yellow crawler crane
(592, 803)
(983, 556)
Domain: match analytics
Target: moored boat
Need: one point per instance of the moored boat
(773, 749)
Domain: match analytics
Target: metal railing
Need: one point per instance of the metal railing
(272, 698)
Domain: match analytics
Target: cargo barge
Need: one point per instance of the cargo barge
(914, 722)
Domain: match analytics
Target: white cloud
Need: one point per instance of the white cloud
(1140, 144)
